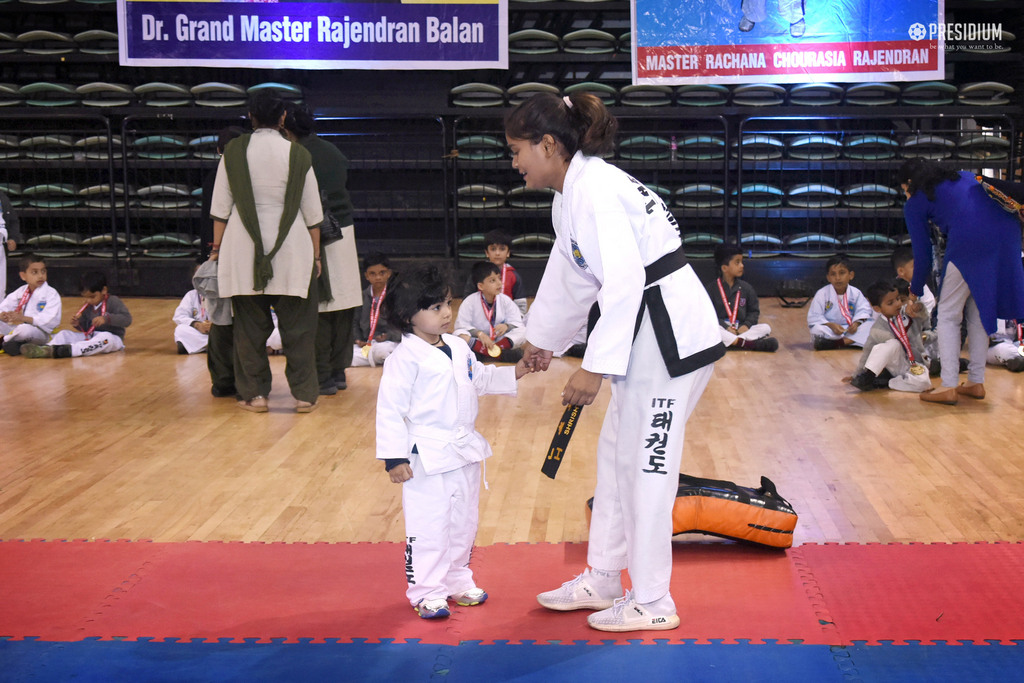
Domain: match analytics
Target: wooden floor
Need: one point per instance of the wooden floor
(132, 446)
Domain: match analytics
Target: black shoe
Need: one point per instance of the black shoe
(13, 348)
(510, 355)
(339, 380)
(576, 350)
(864, 380)
(223, 393)
(935, 368)
(328, 388)
(770, 344)
(963, 365)
(882, 381)
(181, 349)
(826, 344)
(62, 350)
(1015, 364)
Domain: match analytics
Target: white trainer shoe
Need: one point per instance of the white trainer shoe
(575, 594)
(432, 609)
(470, 598)
(629, 615)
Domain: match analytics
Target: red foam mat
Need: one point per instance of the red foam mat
(814, 594)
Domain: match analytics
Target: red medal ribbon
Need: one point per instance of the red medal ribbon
(103, 313)
(24, 300)
(735, 310)
(489, 312)
(375, 312)
(900, 330)
(844, 308)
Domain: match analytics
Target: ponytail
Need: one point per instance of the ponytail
(579, 121)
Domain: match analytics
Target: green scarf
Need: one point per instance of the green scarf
(237, 166)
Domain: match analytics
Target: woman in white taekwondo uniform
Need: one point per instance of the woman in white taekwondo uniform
(657, 337)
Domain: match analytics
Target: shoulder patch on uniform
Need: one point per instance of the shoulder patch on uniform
(577, 255)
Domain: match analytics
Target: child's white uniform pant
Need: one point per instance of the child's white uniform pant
(858, 338)
(192, 339)
(23, 332)
(441, 516)
(100, 342)
(758, 331)
(1001, 352)
(638, 460)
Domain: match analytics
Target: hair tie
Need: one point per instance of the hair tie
(567, 101)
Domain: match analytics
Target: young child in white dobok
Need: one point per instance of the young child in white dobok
(427, 438)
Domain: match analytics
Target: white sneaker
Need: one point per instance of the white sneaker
(470, 598)
(576, 594)
(432, 609)
(629, 615)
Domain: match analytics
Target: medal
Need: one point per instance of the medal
(366, 351)
(494, 351)
(1020, 350)
(916, 369)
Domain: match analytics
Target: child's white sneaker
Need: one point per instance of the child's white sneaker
(580, 593)
(470, 598)
(432, 609)
(629, 615)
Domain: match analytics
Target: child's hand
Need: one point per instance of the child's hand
(75, 319)
(852, 328)
(204, 326)
(499, 330)
(523, 369)
(99, 321)
(400, 473)
(915, 308)
(836, 327)
(742, 329)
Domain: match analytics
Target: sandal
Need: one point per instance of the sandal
(257, 404)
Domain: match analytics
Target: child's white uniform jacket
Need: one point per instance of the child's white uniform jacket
(429, 401)
(44, 307)
(472, 317)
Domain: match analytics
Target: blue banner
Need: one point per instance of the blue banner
(786, 41)
(315, 35)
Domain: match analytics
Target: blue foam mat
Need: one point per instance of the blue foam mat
(93, 660)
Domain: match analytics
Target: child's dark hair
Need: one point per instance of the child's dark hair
(483, 270)
(877, 290)
(412, 291)
(266, 108)
(498, 237)
(585, 124)
(375, 258)
(26, 261)
(838, 260)
(724, 253)
(901, 255)
(298, 119)
(902, 287)
(925, 175)
(93, 281)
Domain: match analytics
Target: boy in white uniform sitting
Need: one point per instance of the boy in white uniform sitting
(191, 323)
(839, 315)
(489, 321)
(427, 438)
(29, 314)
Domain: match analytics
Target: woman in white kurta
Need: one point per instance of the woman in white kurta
(267, 162)
(619, 245)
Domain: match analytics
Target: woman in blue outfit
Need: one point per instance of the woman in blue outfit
(982, 274)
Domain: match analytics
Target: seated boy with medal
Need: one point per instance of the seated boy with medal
(894, 353)
(490, 321)
(374, 338)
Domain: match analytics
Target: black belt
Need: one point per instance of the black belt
(666, 265)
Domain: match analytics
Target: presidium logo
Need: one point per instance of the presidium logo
(965, 37)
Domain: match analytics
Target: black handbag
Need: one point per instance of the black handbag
(330, 229)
